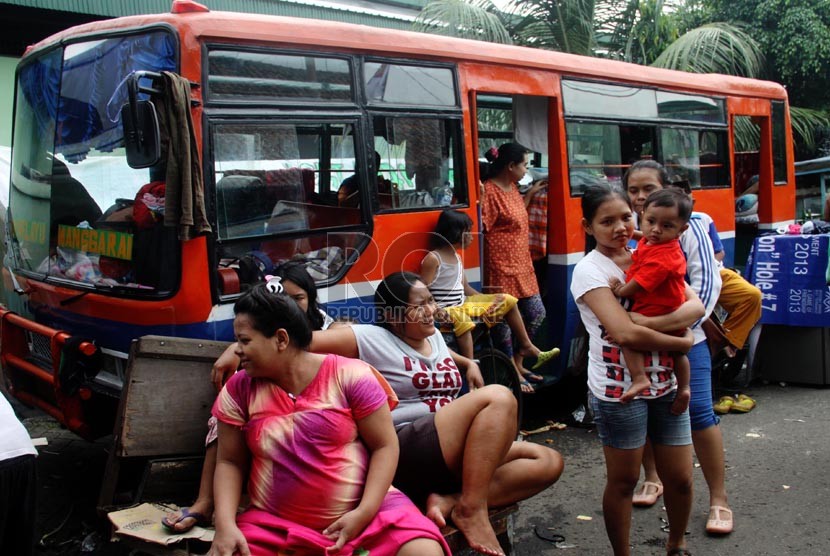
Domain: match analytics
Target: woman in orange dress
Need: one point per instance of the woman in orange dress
(508, 267)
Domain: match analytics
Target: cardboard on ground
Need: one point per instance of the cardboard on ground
(144, 522)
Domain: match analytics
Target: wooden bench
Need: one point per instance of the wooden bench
(160, 432)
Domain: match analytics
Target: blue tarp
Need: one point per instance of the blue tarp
(791, 272)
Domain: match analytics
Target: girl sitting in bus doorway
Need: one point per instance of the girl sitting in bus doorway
(507, 264)
(443, 273)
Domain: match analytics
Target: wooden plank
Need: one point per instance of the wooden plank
(167, 397)
(171, 480)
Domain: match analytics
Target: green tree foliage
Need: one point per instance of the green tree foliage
(479, 20)
(563, 25)
(714, 48)
(795, 38)
(787, 41)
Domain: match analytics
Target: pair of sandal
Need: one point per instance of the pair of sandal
(738, 404)
(719, 521)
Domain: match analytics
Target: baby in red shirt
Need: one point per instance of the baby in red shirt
(655, 281)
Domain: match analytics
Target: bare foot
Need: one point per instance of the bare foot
(525, 385)
(439, 508)
(475, 524)
(638, 386)
(529, 350)
(681, 401)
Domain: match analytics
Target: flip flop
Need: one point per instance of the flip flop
(679, 552)
(745, 404)
(200, 519)
(523, 383)
(544, 357)
(717, 524)
(533, 377)
(724, 405)
(647, 494)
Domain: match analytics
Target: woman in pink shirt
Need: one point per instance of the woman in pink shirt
(313, 435)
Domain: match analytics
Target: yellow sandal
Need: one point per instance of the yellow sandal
(744, 404)
(724, 405)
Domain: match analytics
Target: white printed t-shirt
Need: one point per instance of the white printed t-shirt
(702, 271)
(423, 384)
(14, 440)
(607, 376)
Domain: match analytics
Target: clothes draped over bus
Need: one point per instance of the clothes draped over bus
(184, 202)
(537, 220)
(507, 267)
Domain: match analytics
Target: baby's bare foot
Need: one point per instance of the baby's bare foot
(638, 386)
(681, 401)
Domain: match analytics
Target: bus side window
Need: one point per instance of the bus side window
(418, 159)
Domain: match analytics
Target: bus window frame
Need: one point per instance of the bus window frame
(351, 60)
(719, 128)
(373, 59)
(656, 125)
(782, 106)
(459, 158)
(122, 292)
(212, 118)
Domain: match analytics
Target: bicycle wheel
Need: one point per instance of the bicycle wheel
(497, 368)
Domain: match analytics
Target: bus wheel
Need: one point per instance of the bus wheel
(497, 368)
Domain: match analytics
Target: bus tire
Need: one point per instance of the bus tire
(497, 368)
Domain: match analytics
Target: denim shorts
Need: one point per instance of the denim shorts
(625, 426)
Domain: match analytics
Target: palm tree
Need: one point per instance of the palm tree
(632, 30)
(727, 49)
(478, 19)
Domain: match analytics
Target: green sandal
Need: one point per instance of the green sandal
(544, 357)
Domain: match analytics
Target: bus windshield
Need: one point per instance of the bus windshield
(78, 212)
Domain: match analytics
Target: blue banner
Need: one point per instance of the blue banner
(792, 274)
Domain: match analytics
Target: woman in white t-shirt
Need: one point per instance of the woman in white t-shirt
(609, 223)
(460, 460)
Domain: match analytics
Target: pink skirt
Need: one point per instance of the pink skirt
(397, 522)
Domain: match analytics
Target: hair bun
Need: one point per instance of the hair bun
(491, 154)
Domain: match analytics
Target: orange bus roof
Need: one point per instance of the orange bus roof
(333, 36)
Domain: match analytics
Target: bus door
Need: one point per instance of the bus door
(516, 105)
(761, 182)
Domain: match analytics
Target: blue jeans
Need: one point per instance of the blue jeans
(625, 426)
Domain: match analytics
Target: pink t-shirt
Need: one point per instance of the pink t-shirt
(308, 464)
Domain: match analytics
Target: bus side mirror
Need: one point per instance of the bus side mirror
(141, 134)
(142, 139)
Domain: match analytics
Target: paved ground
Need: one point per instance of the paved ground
(778, 476)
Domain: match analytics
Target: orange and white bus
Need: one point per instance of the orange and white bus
(282, 112)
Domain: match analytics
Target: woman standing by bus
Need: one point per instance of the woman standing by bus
(644, 177)
(508, 267)
(623, 428)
